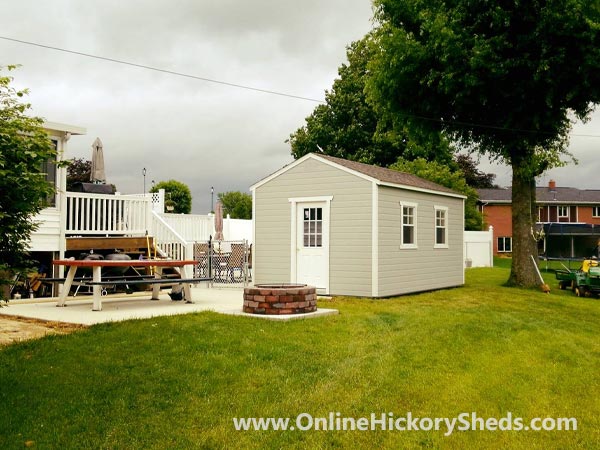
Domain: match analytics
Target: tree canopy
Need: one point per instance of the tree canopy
(473, 176)
(25, 149)
(502, 78)
(177, 194)
(237, 204)
(348, 126)
(78, 171)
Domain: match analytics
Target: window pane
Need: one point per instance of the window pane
(440, 237)
(319, 241)
(306, 214)
(507, 244)
(319, 227)
(408, 235)
(312, 213)
(306, 240)
(319, 213)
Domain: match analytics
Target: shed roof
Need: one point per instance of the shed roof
(380, 175)
(543, 195)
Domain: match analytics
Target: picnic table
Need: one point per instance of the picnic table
(96, 282)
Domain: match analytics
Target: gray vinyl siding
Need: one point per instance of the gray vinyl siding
(350, 225)
(412, 270)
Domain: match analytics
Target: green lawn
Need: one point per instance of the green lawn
(177, 382)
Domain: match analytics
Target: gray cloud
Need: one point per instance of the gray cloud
(200, 133)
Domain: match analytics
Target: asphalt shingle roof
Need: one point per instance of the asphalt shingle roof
(388, 175)
(544, 195)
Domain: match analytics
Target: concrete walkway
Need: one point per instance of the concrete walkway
(138, 306)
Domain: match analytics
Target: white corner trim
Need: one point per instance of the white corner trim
(375, 240)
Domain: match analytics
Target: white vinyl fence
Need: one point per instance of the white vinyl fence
(479, 248)
(199, 228)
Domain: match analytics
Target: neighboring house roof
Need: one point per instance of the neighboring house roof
(543, 195)
(380, 175)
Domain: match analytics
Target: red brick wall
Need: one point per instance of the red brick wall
(584, 214)
(499, 216)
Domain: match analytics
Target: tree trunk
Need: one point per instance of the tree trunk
(524, 245)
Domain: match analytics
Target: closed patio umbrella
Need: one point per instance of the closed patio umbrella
(97, 175)
(219, 222)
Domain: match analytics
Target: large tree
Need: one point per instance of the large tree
(503, 78)
(177, 195)
(25, 148)
(347, 126)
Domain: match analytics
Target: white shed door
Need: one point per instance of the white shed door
(312, 245)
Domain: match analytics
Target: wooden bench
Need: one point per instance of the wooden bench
(147, 281)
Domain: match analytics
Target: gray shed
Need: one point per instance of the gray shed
(354, 229)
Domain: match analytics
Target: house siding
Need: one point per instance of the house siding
(47, 237)
(349, 231)
(585, 215)
(403, 271)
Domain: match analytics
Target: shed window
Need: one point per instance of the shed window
(441, 227)
(504, 244)
(313, 227)
(408, 230)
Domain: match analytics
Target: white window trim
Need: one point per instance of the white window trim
(415, 225)
(597, 209)
(435, 210)
(558, 208)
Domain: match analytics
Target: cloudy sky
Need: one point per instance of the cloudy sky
(201, 133)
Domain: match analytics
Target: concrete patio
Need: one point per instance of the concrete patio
(119, 307)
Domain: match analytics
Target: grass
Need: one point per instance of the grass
(177, 382)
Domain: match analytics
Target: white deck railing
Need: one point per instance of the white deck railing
(169, 241)
(120, 215)
(134, 215)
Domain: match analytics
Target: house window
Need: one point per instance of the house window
(596, 211)
(441, 227)
(504, 244)
(563, 212)
(408, 231)
(313, 227)
(49, 169)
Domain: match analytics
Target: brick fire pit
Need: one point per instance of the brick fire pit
(280, 299)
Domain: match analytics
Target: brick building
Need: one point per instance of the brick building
(569, 218)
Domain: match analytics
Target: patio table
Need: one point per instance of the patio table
(96, 281)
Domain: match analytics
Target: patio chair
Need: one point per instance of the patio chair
(201, 256)
(235, 261)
